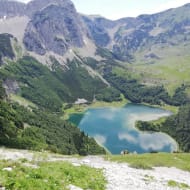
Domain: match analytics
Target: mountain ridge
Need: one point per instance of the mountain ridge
(124, 37)
(130, 32)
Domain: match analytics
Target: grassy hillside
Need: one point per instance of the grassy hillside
(164, 80)
(135, 91)
(153, 48)
(36, 170)
(171, 69)
(49, 176)
(147, 161)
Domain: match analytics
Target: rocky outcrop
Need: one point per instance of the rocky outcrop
(54, 24)
(97, 27)
(127, 36)
(11, 86)
(56, 27)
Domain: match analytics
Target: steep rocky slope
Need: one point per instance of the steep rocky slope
(46, 26)
(55, 26)
(130, 35)
(50, 32)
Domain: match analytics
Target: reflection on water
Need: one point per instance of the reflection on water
(115, 129)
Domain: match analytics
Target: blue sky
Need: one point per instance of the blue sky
(114, 9)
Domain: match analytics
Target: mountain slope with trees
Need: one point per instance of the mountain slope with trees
(31, 128)
(177, 126)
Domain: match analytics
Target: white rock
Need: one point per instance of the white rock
(31, 165)
(9, 169)
(76, 164)
(86, 161)
(72, 187)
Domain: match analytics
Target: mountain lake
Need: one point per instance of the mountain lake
(114, 128)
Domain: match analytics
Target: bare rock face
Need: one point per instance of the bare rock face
(132, 35)
(98, 27)
(11, 86)
(11, 9)
(55, 26)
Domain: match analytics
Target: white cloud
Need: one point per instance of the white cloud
(130, 138)
(108, 114)
(147, 141)
(131, 118)
(156, 141)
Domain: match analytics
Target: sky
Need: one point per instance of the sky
(115, 9)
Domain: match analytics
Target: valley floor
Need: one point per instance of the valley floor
(119, 175)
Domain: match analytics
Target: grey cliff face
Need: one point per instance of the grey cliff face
(11, 9)
(97, 28)
(57, 27)
(131, 35)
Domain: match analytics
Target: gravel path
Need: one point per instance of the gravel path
(119, 175)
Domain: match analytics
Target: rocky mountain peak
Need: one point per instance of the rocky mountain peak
(55, 26)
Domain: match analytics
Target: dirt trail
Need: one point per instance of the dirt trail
(119, 175)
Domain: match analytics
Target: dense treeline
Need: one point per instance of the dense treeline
(34, 129)
(22, 128)
(138, 93)
(105, 53)
(177, 126)
(5, 47)
(109, 95)
(49, 89)
(2, 91)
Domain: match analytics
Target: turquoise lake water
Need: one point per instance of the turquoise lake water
(114, 128)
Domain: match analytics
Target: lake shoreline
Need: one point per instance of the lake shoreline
(101, 122)
(79, 109)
